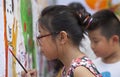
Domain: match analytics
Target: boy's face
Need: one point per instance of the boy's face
(100, 45)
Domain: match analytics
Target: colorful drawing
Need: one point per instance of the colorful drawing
(2, 46)
(8, 11)
(18, 37)
(5, 40)
(98, 4)
(11, 37)
(27, 28)
(104, 4)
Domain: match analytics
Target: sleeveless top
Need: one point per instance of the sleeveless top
(85, 62)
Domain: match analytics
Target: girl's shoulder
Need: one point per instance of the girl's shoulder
(85, 62)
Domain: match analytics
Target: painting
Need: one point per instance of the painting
(18, 32)
(96, 5)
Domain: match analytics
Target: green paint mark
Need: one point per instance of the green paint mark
(27, 28)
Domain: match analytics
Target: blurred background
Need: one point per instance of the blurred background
(18, 31)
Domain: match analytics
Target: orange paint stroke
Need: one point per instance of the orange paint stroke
(98, 4)
(24, 26)
(5, 40)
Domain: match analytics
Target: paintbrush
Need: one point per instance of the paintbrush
(18, 61)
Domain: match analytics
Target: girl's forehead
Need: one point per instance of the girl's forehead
(41, 27)
(42, 30)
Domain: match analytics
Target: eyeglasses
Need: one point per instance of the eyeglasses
(39, 37)
(43, 36)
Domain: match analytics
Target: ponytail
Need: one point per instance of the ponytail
(83, 14)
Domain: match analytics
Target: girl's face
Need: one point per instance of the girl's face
(47, 44)
(100, 45)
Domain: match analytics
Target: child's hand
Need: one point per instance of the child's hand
(31, 73)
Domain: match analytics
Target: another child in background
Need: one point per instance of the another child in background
(61, 33)
(104, 32)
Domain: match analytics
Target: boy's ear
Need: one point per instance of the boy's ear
(63, 37)
(115, 38)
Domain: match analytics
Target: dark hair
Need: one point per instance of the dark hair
(105, 20)
(62, 18)
(80, 9)
(58, 65)
(77, 6)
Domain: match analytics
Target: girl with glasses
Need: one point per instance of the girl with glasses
(61, 31)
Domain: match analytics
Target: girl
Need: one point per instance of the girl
(61, 32)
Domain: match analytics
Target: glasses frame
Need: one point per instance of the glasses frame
(39, 37)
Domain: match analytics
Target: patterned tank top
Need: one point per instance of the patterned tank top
(85, 62)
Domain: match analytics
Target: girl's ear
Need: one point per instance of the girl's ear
(63, 37)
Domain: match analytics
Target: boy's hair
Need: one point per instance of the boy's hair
(105, 20)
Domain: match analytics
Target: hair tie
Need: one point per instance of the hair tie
(80, 15)
(89, 23)
(86, 19)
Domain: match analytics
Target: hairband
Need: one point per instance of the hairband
(89, 23)
(80, 15)
(86, 19)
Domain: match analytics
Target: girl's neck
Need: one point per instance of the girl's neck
(74, 55)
